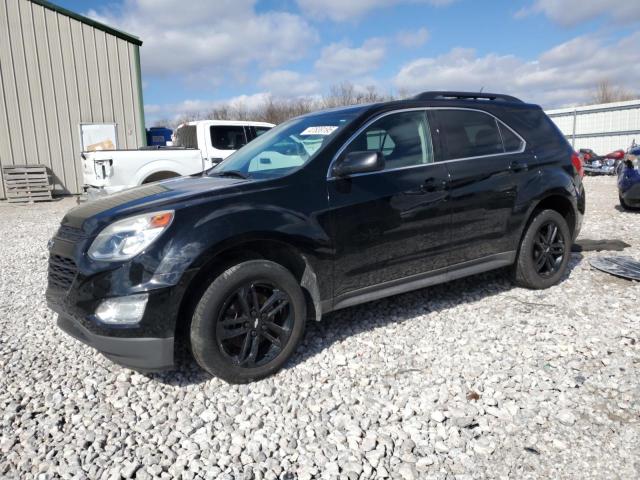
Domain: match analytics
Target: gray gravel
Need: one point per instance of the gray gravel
(474, 379)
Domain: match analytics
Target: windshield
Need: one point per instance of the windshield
(286, 147)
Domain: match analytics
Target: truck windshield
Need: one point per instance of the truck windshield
(286, 147)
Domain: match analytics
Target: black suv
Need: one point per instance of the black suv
(327, 210)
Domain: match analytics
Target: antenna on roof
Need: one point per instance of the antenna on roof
(481, 89)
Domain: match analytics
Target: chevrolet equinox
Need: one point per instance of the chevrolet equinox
(325, 211)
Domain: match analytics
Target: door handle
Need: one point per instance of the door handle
(518, 166)
(433, 185)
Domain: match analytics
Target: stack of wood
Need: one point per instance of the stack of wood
(27, 183)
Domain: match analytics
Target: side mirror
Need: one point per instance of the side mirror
(359, 162)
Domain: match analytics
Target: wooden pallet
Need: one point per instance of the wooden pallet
(27, 183)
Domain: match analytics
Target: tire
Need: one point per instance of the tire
(225, 329)
(623, 203)
(535, 248)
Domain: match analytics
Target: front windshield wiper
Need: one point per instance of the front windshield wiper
(230, 173)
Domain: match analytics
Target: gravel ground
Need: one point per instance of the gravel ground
(472, 379)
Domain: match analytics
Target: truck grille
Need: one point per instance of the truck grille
(70, 234)
(62, 272)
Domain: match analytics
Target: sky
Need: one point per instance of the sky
(197, 54)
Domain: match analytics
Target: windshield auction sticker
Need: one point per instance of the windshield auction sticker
(328, 130)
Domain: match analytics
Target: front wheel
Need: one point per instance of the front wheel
(544, 251)
(249, 322)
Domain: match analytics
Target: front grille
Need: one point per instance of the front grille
(62, 272)
(70, 234)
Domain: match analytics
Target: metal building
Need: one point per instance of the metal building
(67, 84)
(602, 128)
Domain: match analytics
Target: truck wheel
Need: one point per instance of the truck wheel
(248, 322)
(544, 251)
(158, 176)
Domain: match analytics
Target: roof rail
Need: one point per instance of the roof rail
(465, 96)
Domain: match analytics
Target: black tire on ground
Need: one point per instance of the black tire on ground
(544, 251)
(623, 203)
(225, 328)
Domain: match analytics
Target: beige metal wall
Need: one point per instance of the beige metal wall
(56, 73)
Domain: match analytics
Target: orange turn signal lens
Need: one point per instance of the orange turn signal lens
(161, 220)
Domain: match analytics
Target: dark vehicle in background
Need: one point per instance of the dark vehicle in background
(609, 164)
(629, 180)
(325, 211)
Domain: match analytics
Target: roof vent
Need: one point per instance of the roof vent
(466, 96)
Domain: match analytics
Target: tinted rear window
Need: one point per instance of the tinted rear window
(468, 133)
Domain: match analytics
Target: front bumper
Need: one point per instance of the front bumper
(143, 354)
(77, 286)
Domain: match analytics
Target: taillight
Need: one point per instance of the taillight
(577, 163)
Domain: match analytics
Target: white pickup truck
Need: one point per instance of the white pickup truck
(198, 146)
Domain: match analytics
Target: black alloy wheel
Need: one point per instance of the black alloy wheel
(248, 322)
(254, 324)
(549, 248)
(544, 250)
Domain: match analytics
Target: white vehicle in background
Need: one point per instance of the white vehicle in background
(197, 146)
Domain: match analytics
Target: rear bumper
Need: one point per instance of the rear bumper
(143, 354)
(94, 193)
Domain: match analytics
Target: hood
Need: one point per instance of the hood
(91, 215)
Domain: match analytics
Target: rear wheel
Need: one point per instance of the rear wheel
(544, 251)
(249, 322)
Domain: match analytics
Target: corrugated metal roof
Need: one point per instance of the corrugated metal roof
(81, 18)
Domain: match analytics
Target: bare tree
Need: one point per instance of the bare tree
(605, 92)
(278, 110)
(344, 94)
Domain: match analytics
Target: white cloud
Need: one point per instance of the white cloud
(562, 75)
(410, 39)
(343, 62)
(173, 111)
(342, 10)
(287, 83)
(210, 37)
(573, 12)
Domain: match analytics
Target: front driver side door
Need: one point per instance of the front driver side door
(391, 224)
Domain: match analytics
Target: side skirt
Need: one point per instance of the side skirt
(422, 280)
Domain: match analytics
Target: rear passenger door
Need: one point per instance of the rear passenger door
(487, 166)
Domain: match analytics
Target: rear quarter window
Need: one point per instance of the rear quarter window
(512, 143)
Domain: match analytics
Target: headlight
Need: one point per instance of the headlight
(126, 238)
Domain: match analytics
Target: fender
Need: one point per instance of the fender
(233, 226)
(156, 166)
(557, 183)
